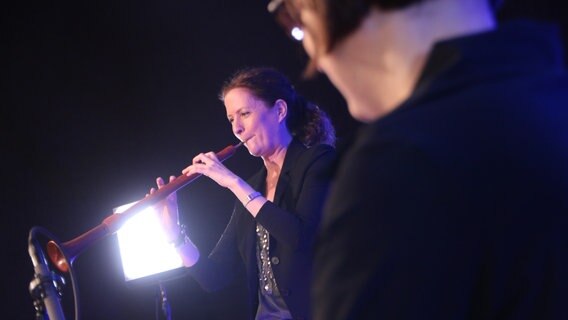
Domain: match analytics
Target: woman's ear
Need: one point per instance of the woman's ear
(281, 109)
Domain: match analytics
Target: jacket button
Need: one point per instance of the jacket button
(275, 260)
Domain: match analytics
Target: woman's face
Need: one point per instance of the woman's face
(253, 121)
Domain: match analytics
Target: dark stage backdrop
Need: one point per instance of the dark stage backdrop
(99, 98)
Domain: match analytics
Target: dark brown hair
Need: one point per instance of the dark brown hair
(305, 120)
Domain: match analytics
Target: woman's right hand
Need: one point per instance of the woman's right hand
(209, 165)
(168, 210)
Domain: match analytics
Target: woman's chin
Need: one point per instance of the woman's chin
(252, 151)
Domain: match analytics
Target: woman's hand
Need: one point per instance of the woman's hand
(169, 216)
(209, 165)
(168, 210)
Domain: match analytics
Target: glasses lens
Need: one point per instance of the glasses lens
(287, 17)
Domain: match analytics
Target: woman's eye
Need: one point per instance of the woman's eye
(245, 113)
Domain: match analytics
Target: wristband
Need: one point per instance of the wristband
(252, 196)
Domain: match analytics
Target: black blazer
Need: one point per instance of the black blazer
(455, 205)
(291, 220)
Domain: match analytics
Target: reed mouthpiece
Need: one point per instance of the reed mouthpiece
(243, 142)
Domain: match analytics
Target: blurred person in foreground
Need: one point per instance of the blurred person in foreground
(452, 201)
(277, 212)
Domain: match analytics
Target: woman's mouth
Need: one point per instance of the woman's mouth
(247, 139)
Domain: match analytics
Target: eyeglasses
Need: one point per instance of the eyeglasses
(287, 17)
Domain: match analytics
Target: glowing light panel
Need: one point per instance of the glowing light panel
(144, 249)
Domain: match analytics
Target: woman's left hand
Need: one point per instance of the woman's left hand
(209, 165)
(168, 210)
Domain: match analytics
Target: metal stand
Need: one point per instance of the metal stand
(163, 303)
(46, 286)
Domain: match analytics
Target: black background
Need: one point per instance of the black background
(99, 98)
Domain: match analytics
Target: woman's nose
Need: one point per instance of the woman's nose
(237, 128)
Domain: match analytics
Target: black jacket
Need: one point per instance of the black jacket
(291, 220)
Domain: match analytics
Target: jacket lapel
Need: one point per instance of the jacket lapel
(295, 149)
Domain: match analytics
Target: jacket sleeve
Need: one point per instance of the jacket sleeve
(217, 270)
